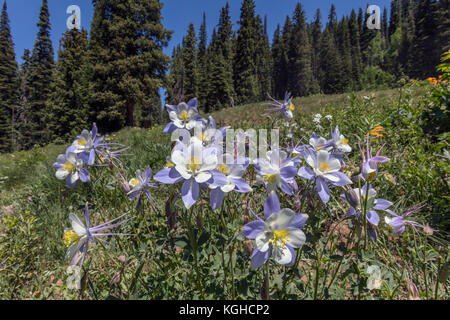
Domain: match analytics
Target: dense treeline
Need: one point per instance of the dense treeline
(322, 56)
(113, 75)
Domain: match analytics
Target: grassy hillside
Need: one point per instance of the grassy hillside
(161, 262)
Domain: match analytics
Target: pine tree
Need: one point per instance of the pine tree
(355, 50)
(444, 27)
(9, 83)
(202, 63)
(190, 63)
(222, 61)
(427, 51)
(264, 61)
(67, 105)
(280, 53)
(395, 20)
(175, 86)
(300, 76)
(330, 64)
(316, 33)
(129, 66)
(345, 53)
(39, 79)
(245, 72)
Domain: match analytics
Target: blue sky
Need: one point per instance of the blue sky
(177, 14)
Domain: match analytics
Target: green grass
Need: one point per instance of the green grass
(160, 262)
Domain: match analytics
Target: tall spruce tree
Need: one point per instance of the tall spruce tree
(300, 72)
(330, 64)
(245, 69)
(190, 63)
(129, 66)
(9, 83)
(280, 53)
(68, 104)
(346, 57)
(39, 79)
(265, 61)
(316, 36)
(202, 63)
(427, 51)
(355, 50)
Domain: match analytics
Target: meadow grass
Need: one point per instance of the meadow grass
(197, 259)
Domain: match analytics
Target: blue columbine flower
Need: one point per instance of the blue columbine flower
(356, 198)
(77, 239)
(182, 116)
(139, 185)
(277, 170)
(369, 169)
(277, 236)
(233, 171)
(194, 164)
(398, 223)
(70, 166)
(286, 108)
(325, 168)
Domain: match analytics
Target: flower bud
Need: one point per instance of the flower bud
(115, 280)
(352, 198)
(125, 187)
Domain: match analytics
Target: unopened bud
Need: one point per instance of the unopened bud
(352, 198)
(248, 246)
(126, 187)
(115, 280)
(122, 258)
(428, 230)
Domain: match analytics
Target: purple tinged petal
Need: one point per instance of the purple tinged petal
(372, 234)
(372, 217)
(299, 221)
(168, 176)
(288, 172)
(343, 179)
(241, 185)
(286, 187)
(252, 229)
(382, 204)
(216, 198)
(291, 263)
(322, 190)
(379, 159)
(272, 205)
(217, 179)
(306, 172)
(193, 103)
(190, 192)
(170, 128)
(259, 258)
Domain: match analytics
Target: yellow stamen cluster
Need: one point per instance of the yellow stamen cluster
(223, 168)
(70, 237)
(184, 115)
(344, 141)
(82, 142)
(270, 178)
(133, 182)
(279, 238)
(169, 164)
(292, 107)
(323, 167)
(68, 167)
(194, 164)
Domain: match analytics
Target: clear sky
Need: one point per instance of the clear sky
(177, 14)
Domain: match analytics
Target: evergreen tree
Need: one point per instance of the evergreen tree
(280, 53)
(300, 72)
(345, 53)
(39, 78)
(129, 66)
(222, 61)
(264, 62)
(330, 64)
(395, 20)
(175, 87)
(427, 51)
(444, 27)
(9, 83)
(190, 63)
(202, 63)
(316, 36)
(355, 50)
(245, 72)
(67, 105)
